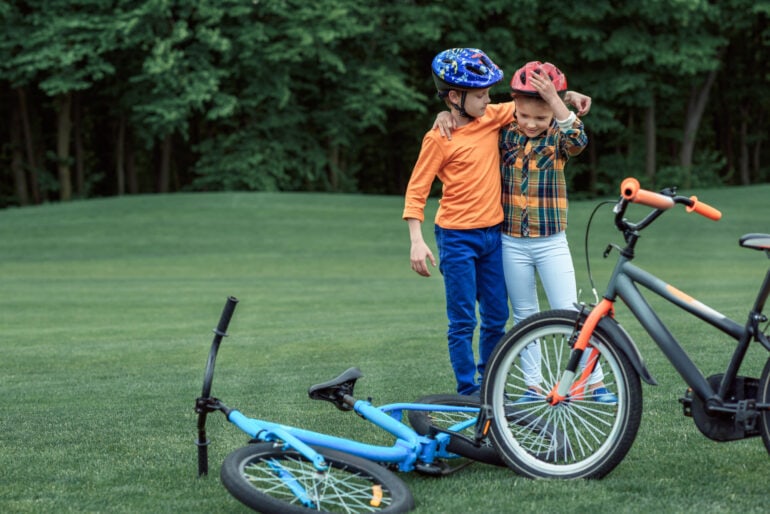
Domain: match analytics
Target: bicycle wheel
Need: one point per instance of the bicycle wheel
(266, 477)
(763, 396)
(597, 431)
(422, 421)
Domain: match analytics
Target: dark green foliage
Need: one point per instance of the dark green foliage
(105, 98)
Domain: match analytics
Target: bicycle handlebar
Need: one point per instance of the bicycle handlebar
(631, 191)
(703, 209)
(201, 405)
(220, 332)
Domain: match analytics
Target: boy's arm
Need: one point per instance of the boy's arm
(419, 251)
(446, 123)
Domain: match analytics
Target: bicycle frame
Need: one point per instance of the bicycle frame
(409, 451)
(623, 284)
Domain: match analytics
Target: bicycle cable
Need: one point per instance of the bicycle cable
(588, 259)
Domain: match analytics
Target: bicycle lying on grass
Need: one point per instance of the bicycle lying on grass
(724, 407)
(288, 469)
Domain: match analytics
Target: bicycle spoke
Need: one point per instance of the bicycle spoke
(581, 436)
(350, 492)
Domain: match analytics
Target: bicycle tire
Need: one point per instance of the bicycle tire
(350, 484)
(422, 421)
(597, 435)
(763, 396)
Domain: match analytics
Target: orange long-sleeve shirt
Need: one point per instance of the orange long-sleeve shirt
(468, 167)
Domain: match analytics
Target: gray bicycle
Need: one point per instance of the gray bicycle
(599, 424)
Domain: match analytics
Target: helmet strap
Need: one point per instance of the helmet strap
(461, 107)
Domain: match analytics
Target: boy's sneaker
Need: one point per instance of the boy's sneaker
(603, 395)
(529, 396)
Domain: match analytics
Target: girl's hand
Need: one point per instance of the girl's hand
(445, 123)
(544, 87)
(579, 101)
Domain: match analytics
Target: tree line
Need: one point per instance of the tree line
(118, 97)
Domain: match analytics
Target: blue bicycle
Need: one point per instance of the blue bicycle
(288, 469)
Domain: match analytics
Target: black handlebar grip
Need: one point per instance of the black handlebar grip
(219, 333)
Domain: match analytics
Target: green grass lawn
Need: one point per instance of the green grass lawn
(108, 306)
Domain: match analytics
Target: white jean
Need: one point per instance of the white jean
(551, 259)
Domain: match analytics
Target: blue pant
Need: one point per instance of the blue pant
(471, 264)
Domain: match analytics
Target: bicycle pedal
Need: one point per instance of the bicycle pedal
(439, 468)
(483, 423)
(686, 402)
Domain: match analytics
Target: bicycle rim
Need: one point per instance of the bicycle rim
(594, 436)
(267, 478)
(763, 396)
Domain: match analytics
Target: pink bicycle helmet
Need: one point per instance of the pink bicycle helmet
(520, 82)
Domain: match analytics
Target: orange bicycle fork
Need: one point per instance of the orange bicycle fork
(569, 387)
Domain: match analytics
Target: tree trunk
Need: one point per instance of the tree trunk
(757, 150)
(650, 143)
(120, 157)
(63, 134)
(756, 159)
(17, 160)
(334, 166)
(29, 145)
(80, 173)
(164, 177)
(695, 107)
(743, 163)
(131, 178)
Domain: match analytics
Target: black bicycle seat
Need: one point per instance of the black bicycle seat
(335, 389)
(756, 241)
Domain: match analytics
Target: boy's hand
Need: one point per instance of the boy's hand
(418, 255)
(446, 124)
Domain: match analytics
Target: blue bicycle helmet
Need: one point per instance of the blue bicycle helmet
(463, 69)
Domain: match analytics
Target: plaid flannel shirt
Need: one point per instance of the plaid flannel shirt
(534, 193)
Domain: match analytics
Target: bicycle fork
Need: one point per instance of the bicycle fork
(568, 387)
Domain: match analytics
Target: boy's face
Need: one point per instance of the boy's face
(476, 101)
(534, 116)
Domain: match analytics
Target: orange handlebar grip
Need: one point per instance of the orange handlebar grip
(629, 187)
(704, 209)
(632, 191)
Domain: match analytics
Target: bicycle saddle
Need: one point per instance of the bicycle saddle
(756, 241)
(335, 389)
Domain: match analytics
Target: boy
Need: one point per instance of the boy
(468, 221)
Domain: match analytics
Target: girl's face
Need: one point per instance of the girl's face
(476, 101)
(534, 116)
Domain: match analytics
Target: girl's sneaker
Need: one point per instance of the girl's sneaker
(603, 395)
(530, 395)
